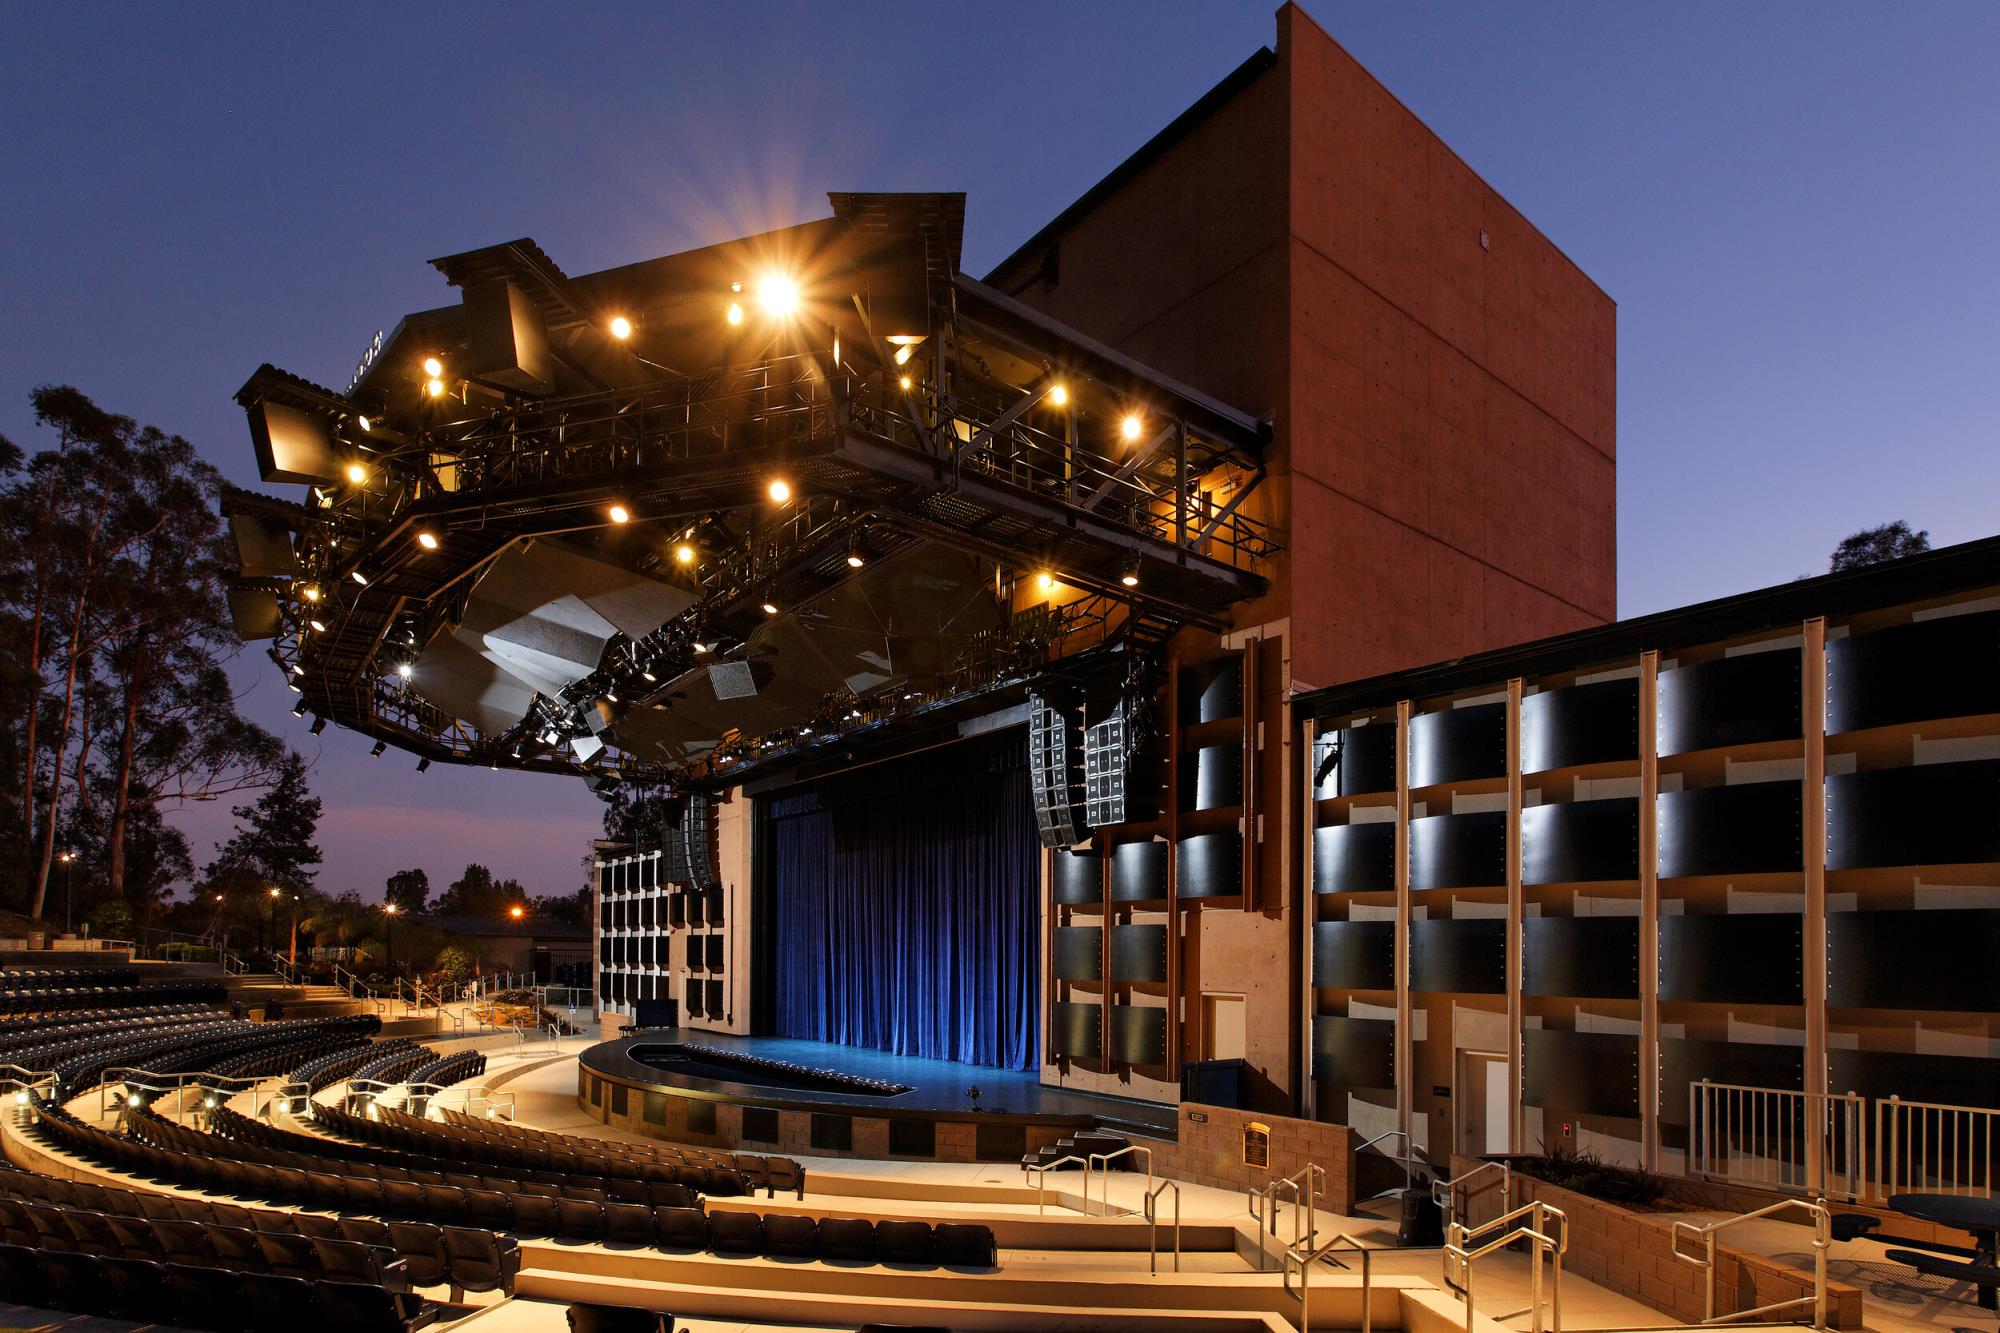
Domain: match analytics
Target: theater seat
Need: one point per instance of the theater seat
(134, 1289)
(535, 1215)
(23, 1279)
(736, 1233)
(905, 1243)
(966, 1245)
(618, 1319)
(275, 1302)
(359, 1308)
(481, 1261)
(790, 1237)
(847, 1238)
(680, 1229)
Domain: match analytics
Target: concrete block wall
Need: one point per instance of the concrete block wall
(1210, 1152)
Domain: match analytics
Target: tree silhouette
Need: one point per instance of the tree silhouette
(1871, 546)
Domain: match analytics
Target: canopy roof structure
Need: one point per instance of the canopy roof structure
(687, 518)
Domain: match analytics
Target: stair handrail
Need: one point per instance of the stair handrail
(1040, 1170)
(1444, 1193)
(270, 1098)
(1305, 1186)
(1101, 1161)
(1304, 1258)
(1822, 1223)
(1152, 1213)
(1548, 1248)
(1408, 1148)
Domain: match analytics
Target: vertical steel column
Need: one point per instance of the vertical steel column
(1517, 911)
(1180, 484)
(1649, 909)
(1405, 1039)
(1307, 906)
(1812, 722)
(1176, 945)
(1250, 871)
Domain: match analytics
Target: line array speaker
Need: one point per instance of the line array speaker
(1054, 772)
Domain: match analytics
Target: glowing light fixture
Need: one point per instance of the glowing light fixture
(735, 315)
(1130, 578)
(1046, 581)
(517, 911)
(684, 553)
(319, 627)
(311, 592)
(405, 670)
(427, 539)
(778, 294)
(702, 647)
(435, 388)
(365, 424)
(619, 514)
(1059, 394)
(1131, 426)
(779, 490)
(621, 327)
(770, 609)
(905, 382)
(433, 367)
(358, 577)
(356, 473)
(904, 353)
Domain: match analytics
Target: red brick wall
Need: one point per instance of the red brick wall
(1632, 1254)
(1210, 1152)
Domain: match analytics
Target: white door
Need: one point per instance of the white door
(1225, 1027)
(1482, 1103)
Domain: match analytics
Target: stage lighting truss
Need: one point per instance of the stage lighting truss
(1042, 470)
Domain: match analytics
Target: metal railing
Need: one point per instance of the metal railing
(1464, 1246)
(1303, 1259)
(1100, 1162)
(1152, 1214)
(1934, 1148)
(271, 1099)
(27, 1087)
(117, 1090)
(1409, 1174)
(1445, 1193)
(1039, 1172)
(1304, 1187)
(1822, 1222)
(1772, 1138)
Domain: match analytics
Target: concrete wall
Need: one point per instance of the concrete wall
(1210, 1152)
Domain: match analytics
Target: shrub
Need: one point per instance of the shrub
(1590, 1175)
(112, 920)
(453, 963)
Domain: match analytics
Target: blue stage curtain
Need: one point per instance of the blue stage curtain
(905, 904)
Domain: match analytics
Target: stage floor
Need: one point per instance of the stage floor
(937, 1087)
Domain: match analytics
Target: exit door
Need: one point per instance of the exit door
(1482, 1103)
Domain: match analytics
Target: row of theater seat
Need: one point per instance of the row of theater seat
(583, 1215)
(148, 1292)
(449, 1069)
(509, 1144)
(49, 1226)
(41, 978)
(196, 1048)
(408, 1136)
(34, 1027)
(324, 1071)
(62, 999)
(267, 1061)
(394, 1064)
(466, 1259)
(50, 1043)
(250, 1140)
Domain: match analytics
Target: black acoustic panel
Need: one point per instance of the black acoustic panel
(1210, 865)
(1355, 858)
(1948, 667)
(1212, 691)
(1464, 956)
(716, 1007)
(1138, 953)
(1138, 1035)
(912, 1138)
(1933, 814)
(1580, 957)
(1077, 878)
(1730, 701)
(760, 1124)
(1356, 955)
(1466, 851)
(1139, 872)
(1354, 1052)
(1746, 829)
(1458, 745)
(1580, 724)
(1079, 953)
(1746, 1064)
(1002, 1142)
(1355, 761)
(1581, 1073)
(1078, 1029)
(1734, 958)
(715, 951)
(1953, 1080)
(1212, 778)
(1580, 842)
(1935, 960)
(696, 995)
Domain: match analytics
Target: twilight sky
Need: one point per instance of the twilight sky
(1794, 205)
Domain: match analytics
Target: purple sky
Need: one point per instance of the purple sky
(1794, 205)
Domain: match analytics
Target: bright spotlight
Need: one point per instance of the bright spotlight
(1130, 578)
(1130, 426)
(778, 294)
(435, 388)
(1046, 581)
(517, 911)
(621, 327)
(356, 473)
(427, 539)
(904, 353)
(311, 592)
(770, 609)
(433, 367)
(405, 670)
(684, 554)
(735, 315)
(365, 424)
(779, 490)
(358, 577)
(905, 382)
(1059, 395)
(318, 626)
(619, 514)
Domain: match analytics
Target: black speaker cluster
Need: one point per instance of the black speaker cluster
(1055, 772)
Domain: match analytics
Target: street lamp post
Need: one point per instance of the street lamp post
(68, 859)
(389, 937)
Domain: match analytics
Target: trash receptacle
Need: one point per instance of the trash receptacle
(1423, 1221)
